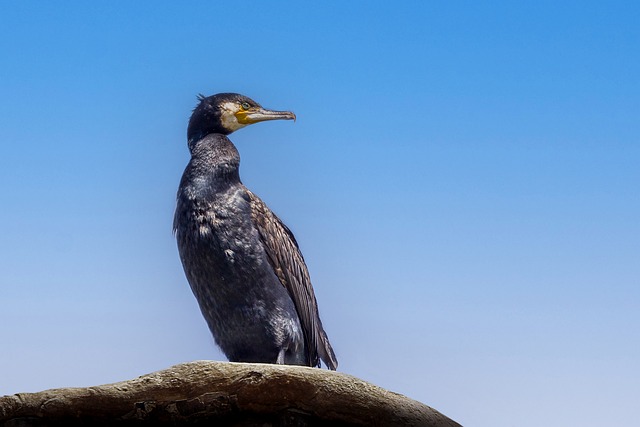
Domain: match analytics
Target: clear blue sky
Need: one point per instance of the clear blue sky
(463, 179)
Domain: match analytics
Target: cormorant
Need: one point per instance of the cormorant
(243, 264)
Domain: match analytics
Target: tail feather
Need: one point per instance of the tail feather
(326, 353)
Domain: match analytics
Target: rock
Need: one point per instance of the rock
(222, 393)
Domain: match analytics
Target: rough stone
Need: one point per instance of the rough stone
(226, 394)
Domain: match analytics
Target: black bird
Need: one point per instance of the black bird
(243, 264)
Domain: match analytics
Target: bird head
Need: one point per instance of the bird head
(225, 113)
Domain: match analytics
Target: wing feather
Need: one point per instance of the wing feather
(287, 261)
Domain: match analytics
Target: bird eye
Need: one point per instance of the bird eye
(245, 105)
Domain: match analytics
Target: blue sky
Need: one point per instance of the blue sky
(462, 178)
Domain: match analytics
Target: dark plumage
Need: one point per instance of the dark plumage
(243, 264)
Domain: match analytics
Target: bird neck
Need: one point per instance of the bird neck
(215, 159)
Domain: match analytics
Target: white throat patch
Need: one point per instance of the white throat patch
(228, 112)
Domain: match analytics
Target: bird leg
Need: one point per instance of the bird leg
(280, 358)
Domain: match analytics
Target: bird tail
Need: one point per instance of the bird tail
(326, 353)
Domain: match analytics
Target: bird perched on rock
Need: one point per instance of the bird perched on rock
(243, 264)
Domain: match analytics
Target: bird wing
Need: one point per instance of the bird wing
(287, 262)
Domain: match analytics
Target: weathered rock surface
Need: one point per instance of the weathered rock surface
(223, 394)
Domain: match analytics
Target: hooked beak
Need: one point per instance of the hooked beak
(259, 114)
